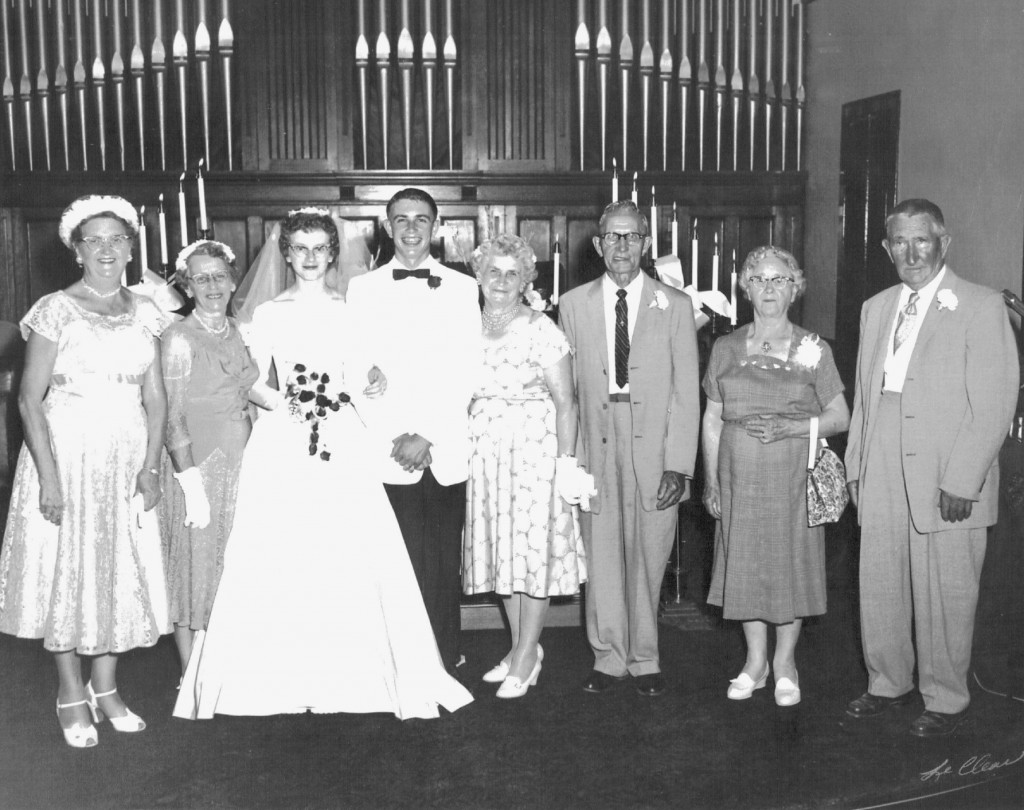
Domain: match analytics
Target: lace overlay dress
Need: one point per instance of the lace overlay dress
(207, 379)
(520, 537)
(768, 564)
(318, 608)
(94, 583)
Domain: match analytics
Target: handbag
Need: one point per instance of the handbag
(826, 481)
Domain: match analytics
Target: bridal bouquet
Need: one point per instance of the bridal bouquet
(309, 401)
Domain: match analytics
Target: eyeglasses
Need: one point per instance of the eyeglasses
(317, 252)
(97, 243)
(213, 278)
(778, 282)
(632, 238)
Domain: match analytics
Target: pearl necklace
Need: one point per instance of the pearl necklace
(98, 294)
(222, 332)
(497, 323)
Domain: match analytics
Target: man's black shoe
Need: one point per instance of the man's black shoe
(601, 682)
(868, 705)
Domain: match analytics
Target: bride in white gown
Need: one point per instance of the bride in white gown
(318, 607)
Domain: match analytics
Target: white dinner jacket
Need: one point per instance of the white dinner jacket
(427, 341)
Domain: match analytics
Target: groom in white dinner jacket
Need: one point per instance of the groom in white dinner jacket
(420, 323)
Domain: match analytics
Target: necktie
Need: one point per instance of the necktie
(398, 273)
(621, 340)
(905, 322)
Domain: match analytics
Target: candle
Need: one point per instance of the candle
(556, 271)
(182, 216)
(634, 195)
(204, 225)
(143, 246)
(693, 256)
(733, 280)
(654, 226)
(675, 232)
(714, 265)
(615, 180)
(163, 233)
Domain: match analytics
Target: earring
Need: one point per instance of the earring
(79, 260)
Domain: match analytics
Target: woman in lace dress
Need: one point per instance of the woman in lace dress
(81, 567)
(208, 375)
(522, 537)
(318, 608)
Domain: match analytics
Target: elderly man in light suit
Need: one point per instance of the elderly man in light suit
(419, 322)
(635, 368)
(937, 377)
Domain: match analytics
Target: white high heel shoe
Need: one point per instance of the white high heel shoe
(743, 686)
(500, 672)
(515, 688)
(787, 693)
(78, 736)
(128, 723)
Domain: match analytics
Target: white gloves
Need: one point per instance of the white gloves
(197, 506)
(574, 484)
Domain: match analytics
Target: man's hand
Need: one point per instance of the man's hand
(411, 451)
(674, 488)
(713, 500)
(953, 508)
(853, 487)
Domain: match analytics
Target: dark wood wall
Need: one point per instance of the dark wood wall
(297, 135)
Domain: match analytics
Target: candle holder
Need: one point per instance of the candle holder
(205, 233)
(165, 271)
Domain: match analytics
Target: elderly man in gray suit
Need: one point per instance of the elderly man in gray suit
(937, 377)
(635, 369)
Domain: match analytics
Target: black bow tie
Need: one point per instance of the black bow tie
(398, 273)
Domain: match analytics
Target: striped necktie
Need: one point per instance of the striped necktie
(621, 340)
(905, 322)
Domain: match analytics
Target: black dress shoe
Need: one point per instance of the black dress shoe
(937, 724)
(601, 681)
(868, 705)
(650, 685)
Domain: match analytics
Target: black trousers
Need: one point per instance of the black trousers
(431, 517)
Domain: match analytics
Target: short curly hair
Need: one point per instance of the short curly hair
(304, 221)
(758, 255)
(623, 207)
(505, 245)
(208, 248)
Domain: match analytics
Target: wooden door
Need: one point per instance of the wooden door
(868, 155)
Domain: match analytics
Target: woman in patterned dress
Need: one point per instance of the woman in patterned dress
(81, 564)
(764, 383)
(522, 536)
(208, 376)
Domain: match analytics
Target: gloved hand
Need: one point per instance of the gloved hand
(197, 505)
(572, 483)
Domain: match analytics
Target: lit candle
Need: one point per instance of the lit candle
(163, 233)
(204, 225)
(634, 195)
(734, 280)
(615, 180)
(675, 232)
(714, 265)
(654, 226)
(556, 271)
(693, 256)
(143, 245)
(182, 216)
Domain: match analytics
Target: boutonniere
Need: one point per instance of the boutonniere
(947, 300)
(808, 353)
(660, 301)
(536, 301)
(433, 281)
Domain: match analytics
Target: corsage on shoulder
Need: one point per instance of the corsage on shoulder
(808, 353)
(947, 299)
(536, 301)
(660, 301)
(309, 401)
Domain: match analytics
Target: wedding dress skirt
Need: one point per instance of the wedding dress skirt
(318, 608)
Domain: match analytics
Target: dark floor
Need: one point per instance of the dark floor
(556, 748)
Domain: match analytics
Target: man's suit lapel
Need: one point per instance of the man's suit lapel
(883, 327)
(643, 320)
(595, 321)
(933, 320)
